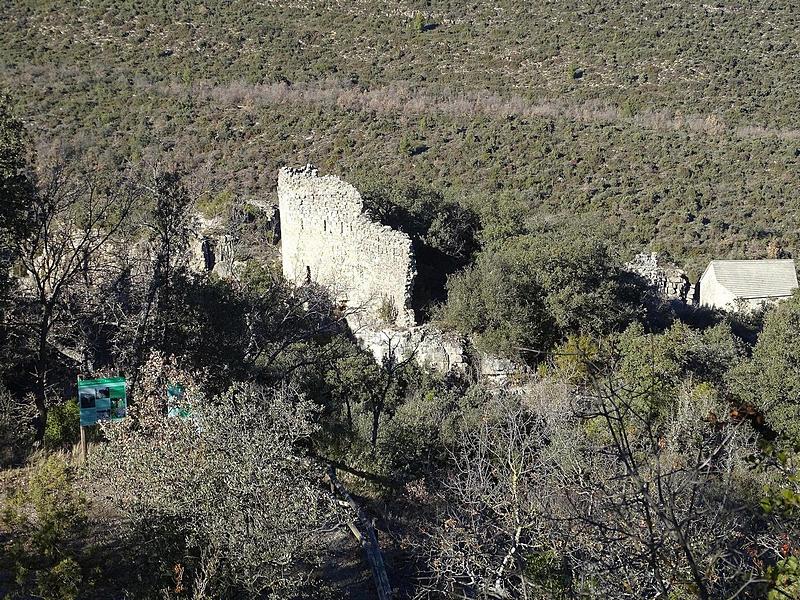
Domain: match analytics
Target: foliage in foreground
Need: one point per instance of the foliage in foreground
(533, 291)
(552, 495)
(771, 379)
(17, 433)
(45, 525)
(230, 481)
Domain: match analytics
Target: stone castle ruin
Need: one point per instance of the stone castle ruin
(327, 238)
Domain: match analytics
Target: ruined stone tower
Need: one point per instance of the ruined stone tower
(327, 238)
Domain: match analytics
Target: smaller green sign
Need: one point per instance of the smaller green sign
(176, 402)
(102, 400)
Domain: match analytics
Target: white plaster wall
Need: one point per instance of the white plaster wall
(712, 294)
(325, 232)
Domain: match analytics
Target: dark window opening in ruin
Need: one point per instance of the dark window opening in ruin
(341, 227)
(209, 259)
(301, 224)
(308, 274)
(275, 233)
(324, 225)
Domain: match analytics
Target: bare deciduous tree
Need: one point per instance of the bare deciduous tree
(16, 428)
(566, 494)
(66, 251)
(231, 479)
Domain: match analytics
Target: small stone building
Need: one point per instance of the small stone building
(746, 284)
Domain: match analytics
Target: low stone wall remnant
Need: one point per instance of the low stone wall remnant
(667, 280)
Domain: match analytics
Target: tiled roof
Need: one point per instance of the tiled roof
(756, 278)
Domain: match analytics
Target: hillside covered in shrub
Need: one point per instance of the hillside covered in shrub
(635, 447)
(672, 123)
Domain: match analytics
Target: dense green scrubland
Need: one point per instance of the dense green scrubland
(672, 123)
(645, 450)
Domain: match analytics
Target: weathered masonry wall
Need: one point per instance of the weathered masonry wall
(327, 238)
(669, 281)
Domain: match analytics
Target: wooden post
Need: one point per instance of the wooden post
(84, 449)
(84, 445)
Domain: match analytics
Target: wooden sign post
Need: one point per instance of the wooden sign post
(84, 446)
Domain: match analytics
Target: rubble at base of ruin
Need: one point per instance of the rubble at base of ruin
(444, 352)
(426, 345)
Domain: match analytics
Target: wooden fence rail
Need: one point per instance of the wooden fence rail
(364, 532)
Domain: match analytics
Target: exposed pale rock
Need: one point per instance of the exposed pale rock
(426, 345)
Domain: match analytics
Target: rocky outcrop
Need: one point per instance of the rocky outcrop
(444, 352)
(426, 345)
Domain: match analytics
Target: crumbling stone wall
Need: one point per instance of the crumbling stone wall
(669, 281)
(327, 238)
(211, 248)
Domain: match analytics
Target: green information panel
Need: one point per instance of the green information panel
(102, 400)
(176, 402)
